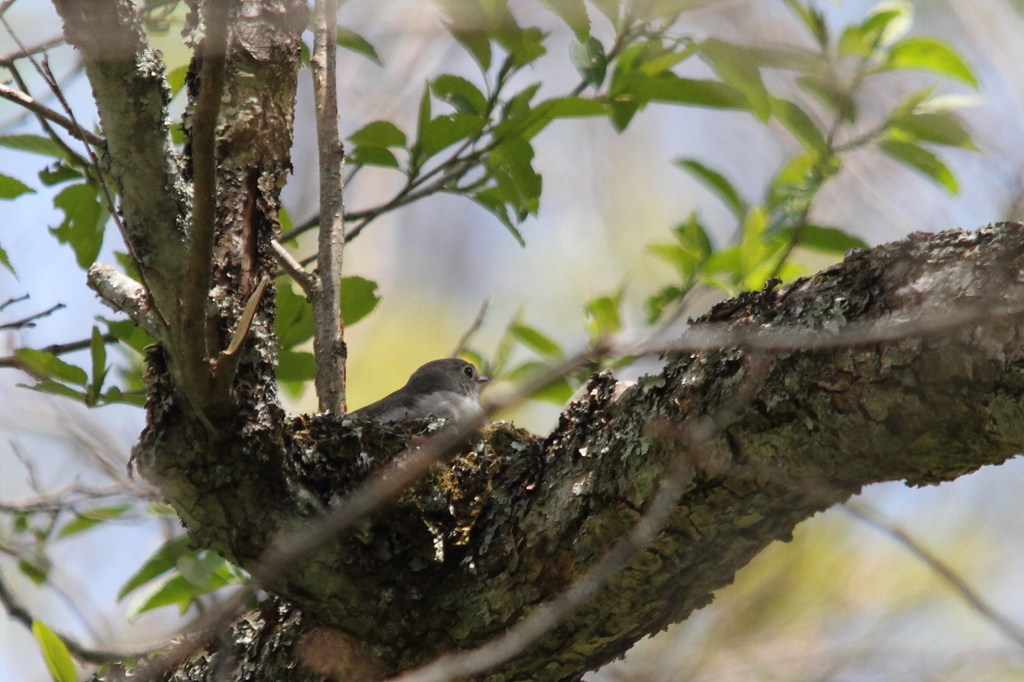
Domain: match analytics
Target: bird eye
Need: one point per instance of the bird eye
(468, 371)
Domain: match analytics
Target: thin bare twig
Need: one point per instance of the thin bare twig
(328, 329)
(16, 610)
(477, 321)
(198, 268)
(9, 59)
(57, 349)
(64, 498)
(11, 301)
(919, 322)
(305, 280)
(829, 494)
(35, 107)
(45, 124)
(108, 196)
(959, 585)
(30, 321)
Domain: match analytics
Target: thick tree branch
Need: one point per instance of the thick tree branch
(329, 334)
(125, 295)
(489, 537)
(131, 95)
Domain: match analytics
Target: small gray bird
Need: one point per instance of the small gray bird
(448, 388)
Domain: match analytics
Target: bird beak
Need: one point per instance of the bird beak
(481, 379)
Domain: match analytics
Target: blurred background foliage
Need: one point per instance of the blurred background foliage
(525, 178)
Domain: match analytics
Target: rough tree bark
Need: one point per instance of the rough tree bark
(516, 518)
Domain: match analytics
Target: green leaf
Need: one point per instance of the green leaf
(12, 188)
(34, 144)
(172, 590)
(6, 262)
(58, 172)
(800, 124)
(537, 342)
(813, 19)
(511, 166)
(493, 200)
(525, 45)
(938, 127)
(206, 571)
(886, 23)
(789, 58)
(295, 365)
(294, 321)
(557, 392)
(116, 395)
(55, 388)
(98, 354)
(162, 561)
(922, 160)
(130, 334)
(55, 653)
(735, 67)
(829, 240)
(465, 97)
(350, 40)
(444, 131)
(284, 218)
(475, 41)
(669, 87)
(176, 79)
(658, 301)
(528, 125)
(50, 366)
(417, 157)
(589, 58)
(518, 106)
(358, 299)
(573, 13)
(379, 134)
(196, 575)
(717, 183)
(610, 9)
(373, 156)
(752, 249)
(37, 574)
(931, 54)
(93, 517)
(469, 23)
(693, 235)
(84, 220)
(602, 317)
(830, 93)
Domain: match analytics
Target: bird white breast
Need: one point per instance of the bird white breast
(449, 405)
